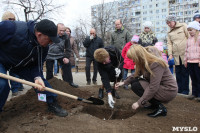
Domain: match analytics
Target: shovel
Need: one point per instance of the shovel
(90, 100)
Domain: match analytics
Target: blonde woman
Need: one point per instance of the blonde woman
(158, 85)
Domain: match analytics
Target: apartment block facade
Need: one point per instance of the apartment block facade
(135, 12)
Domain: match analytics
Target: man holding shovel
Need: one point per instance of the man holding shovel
(23, 48)
(110, 65)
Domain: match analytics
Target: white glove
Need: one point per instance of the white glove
(117, 71)
(77, 59)
(111, 102)
(91, 37)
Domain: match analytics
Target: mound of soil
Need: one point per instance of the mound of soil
(26, 114)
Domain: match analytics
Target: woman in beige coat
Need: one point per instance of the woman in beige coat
(177, 39)
(158, 85)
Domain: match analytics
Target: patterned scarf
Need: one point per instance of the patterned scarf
(147, 37)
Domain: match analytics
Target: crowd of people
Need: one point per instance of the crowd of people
(151, 77)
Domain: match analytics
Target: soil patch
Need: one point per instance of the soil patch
(26, 114)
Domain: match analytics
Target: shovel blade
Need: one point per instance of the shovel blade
(96, 101)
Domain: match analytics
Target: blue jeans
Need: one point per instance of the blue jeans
(55, 67)
(25, 73)
(126, 73)
(14, 85)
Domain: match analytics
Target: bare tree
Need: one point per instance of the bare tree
(33, 9)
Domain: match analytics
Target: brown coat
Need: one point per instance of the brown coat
(74, 51)
(162, 86)
(176, 41)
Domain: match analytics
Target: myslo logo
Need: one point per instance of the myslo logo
(186, 129)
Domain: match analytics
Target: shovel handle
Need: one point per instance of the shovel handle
(5, 76)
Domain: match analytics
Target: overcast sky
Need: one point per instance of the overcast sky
(74, 11)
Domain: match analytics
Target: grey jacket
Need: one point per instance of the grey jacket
(60, 50)
(120, 37)
(162, 86)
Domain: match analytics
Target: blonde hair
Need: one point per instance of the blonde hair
(100, 55)
(7, 15)
(143, 59)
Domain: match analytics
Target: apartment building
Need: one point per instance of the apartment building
(134, 12)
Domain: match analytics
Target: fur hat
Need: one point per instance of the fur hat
(194, 24)
(196, 15)
(100, 55)
(147, 24)
(135, 38)
(159, 46)
(171, 18)
(7, 16)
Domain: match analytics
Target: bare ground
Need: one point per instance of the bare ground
(27, 114)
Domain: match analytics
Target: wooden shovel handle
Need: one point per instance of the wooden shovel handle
(5, 76)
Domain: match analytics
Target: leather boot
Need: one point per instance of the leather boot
(160, 111)
(101, 94)
(115, 94)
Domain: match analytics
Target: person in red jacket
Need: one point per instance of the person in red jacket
(128, 63)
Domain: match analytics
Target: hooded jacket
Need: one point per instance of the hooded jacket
(107, 71)
(128, 63)
(176, 41)
(120, 37)
(19, 47)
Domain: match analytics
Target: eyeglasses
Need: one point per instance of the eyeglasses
(12, 19)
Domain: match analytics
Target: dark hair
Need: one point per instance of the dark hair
(69, 29)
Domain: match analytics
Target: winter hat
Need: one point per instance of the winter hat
(171, 18)
(135, 38)
(8, 16)
(194, 24)
(147, 24)
(159, 46)
(196, 15)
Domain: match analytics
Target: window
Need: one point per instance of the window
(157, 5)
(157, 23)
(151, 12)
(150, 6)
(157, 29)
(164, 10)
(144, 18)
(157, 11)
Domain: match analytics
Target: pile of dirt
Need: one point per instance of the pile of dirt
(26, 114)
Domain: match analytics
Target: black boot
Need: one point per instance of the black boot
(114, 94)
(160, 111)
(101, 94)
(57, 109)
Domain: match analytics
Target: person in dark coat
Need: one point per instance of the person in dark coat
(91, 43)
(61, 52)
(158, 85)
(110, 65)
(23, 49)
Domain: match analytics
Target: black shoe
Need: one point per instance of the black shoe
(95, 82)
(160, 111)
(74, 85)
(57, 109)
(88, 82)
(101, 94)
(114, 94)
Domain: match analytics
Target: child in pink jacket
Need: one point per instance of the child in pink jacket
(192, 58)
(128, 63)
(159, 46)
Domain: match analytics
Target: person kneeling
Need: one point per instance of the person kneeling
(158, 85)
(110, 65)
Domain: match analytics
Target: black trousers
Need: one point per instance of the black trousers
(87, 69)
(66, 70)
(139, 90)
(182, 78)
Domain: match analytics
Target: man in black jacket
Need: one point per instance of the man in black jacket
(60, 51)
(110, 65)
(91, 43)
